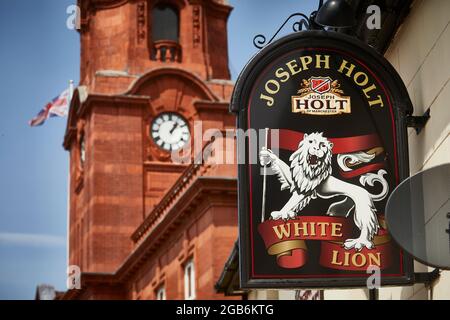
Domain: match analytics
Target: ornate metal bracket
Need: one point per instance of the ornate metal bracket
(303, 23)
(418, 122)
(427, 278)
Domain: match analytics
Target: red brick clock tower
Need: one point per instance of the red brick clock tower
(142, 226)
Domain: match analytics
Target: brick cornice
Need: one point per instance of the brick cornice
(164, 166)
(212, 106)
(203, 189)
(174, 71)
(173, 198)
(79, 110)
(132, 100)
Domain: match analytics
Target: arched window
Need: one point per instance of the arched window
(165, 23)
(189, 281)
(165, 26)
(161, 293)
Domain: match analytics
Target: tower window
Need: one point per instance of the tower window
(161, 293)
(165, 26)
(165, 23)
(189, 281)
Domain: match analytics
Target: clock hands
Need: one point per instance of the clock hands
(173, 128)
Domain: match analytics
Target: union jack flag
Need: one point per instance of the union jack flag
(58, 107)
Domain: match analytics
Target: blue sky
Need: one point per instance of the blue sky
(38, 57)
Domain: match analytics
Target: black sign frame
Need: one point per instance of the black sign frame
(402, 108)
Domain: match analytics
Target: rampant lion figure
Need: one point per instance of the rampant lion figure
(309, 176)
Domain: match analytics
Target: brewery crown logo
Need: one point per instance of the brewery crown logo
(321, 96)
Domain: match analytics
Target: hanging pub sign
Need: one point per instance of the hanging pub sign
(322, 145)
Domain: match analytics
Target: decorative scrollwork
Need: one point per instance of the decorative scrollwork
(304, 23)
(196, 25)
(141, 21)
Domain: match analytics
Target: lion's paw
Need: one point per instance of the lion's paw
(358, 244)
(276, 215)
(291, 215)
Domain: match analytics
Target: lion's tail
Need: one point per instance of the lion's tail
(371, 178)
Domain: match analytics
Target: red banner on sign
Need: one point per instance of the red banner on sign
(286, 241)
(289, 139)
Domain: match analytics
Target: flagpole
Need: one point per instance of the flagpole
(263, 209)
(70, 90)
(68, 185)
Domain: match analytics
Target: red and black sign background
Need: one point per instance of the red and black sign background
(366, 127)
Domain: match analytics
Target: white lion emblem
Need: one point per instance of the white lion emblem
(309, 176)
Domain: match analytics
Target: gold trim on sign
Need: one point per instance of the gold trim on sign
(281, 247)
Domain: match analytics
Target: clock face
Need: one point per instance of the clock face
(170, 131)
(82, 151)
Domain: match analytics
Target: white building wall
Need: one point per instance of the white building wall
(420, 52)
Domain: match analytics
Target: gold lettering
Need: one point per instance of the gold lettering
(323, 227)
(282, 74)
(283, 230)
(379, 101)
(312, 228)
(346, 259)
(369, 89)
(303, 228)
(334, 260)
(270, 90)
(325, 60)
(336, 229)
(375, 259)
(269, 100)
(306, 60)
(344, 66)
(355, 259)
(365, 79)
(292, 65)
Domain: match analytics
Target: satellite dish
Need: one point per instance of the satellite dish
(418, 216)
